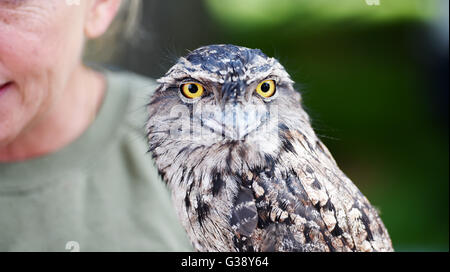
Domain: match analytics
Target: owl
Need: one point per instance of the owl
(229, 136)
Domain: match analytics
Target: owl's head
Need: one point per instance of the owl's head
(224, 93)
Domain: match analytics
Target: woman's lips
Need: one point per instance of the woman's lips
(5, 86)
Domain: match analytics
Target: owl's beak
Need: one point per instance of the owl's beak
(236, 118)
(238, 121)
(234, 122)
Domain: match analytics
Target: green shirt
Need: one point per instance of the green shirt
(102, 191)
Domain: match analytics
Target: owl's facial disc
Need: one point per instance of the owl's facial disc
(236, 111)
(223, 92)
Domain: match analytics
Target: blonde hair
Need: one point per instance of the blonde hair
(124, 29)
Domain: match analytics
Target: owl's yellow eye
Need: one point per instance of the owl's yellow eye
(266, 88)
(192, 90)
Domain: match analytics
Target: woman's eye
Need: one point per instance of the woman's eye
(266, 88)
(192, 90)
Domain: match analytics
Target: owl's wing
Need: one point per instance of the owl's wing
(310, 207)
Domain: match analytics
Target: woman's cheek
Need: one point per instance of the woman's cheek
(18, 64)
(34, 62)
(38, 53)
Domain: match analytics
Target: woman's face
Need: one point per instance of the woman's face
(40, 47)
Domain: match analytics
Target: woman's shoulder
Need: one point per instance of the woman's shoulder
(128, 80)
(133, 92)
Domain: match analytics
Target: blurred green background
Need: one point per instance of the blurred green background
(374, 79)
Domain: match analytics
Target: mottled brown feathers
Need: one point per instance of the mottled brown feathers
(248, 173)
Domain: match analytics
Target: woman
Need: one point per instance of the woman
(73, 165)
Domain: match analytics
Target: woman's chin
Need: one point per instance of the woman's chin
(5, 138)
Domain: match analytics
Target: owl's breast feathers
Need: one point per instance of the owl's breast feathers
(298, 201)
(234, 197)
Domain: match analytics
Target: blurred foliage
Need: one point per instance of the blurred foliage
(370, 77)
(249, 14)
